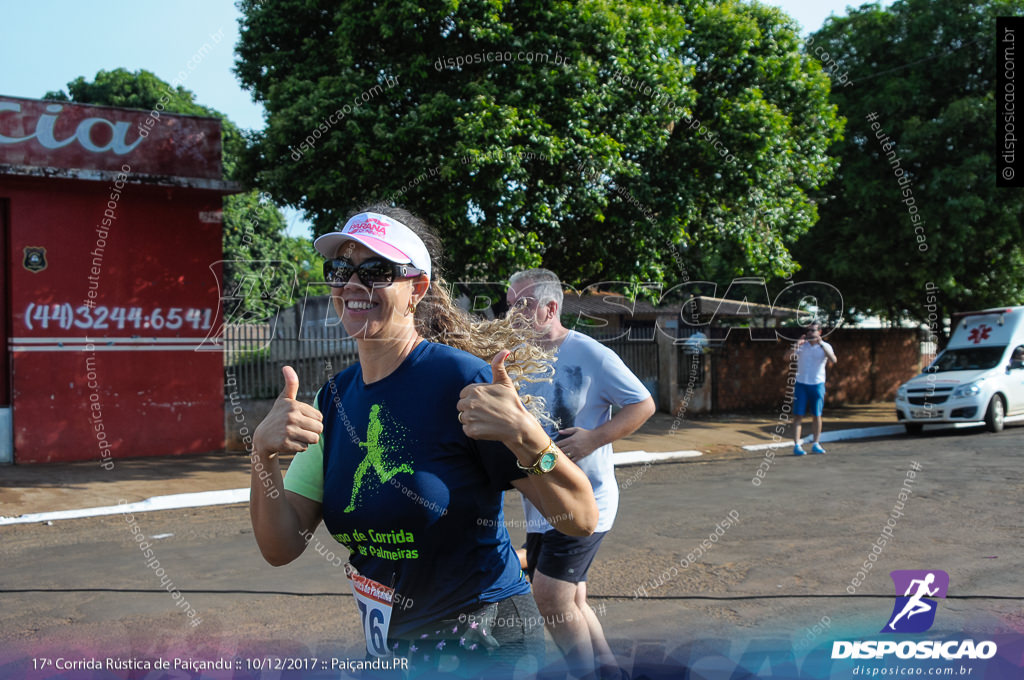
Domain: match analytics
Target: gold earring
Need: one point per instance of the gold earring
(412, 308)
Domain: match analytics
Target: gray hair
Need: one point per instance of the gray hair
(543, 284)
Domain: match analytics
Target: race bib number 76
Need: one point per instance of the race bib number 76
(374, 601)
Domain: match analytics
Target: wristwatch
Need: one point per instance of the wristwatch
(545, 463)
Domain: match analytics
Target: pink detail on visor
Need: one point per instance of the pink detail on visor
(381, 248)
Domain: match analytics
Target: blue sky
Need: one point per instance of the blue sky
(48, 43)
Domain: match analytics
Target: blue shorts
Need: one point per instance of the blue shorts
(808, 396)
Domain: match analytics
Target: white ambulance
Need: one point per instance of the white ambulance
(977, 379)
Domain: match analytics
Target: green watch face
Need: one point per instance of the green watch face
(547, 462)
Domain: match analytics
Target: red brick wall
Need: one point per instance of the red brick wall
(751, 375)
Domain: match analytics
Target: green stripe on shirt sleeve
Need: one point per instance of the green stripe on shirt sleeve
(305, 475)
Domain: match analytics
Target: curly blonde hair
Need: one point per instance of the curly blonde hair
(439, 319)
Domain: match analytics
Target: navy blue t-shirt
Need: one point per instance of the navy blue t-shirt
(417, 502)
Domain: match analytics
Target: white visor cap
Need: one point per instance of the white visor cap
(383, 235)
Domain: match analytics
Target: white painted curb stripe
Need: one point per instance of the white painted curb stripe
(634, 457)
(880, 431)
(227, 497)
(172, 502)
(114, 348)
(99, 340)
(835, 436)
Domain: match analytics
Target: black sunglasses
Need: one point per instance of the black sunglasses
(373, 273)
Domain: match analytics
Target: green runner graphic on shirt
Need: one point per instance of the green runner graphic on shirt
(375, 457)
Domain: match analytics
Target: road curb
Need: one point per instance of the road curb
(232, 496)
(835, 436)
(639, 457)
(171, 502)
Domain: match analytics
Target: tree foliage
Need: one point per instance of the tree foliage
(635, 141)
(261, 261)
(915, 200)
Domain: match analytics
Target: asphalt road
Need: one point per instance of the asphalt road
(82, 588)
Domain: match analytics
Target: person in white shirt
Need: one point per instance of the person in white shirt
(811, 354)
(589, 380)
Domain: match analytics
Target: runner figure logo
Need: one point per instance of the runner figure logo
(914, 612)
(376, 446)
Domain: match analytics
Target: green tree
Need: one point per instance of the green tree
(254, 235)
(915, 199)
(264, 269)
(637, 140)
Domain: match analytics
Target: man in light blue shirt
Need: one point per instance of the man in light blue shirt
(589, 380)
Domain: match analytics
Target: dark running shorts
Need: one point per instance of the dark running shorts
(566, 558)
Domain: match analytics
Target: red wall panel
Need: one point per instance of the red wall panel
(104, 337)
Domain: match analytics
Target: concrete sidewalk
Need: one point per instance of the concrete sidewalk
(729, 433)
(47, 488)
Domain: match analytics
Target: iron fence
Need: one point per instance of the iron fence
(255, 353)
(636, 347)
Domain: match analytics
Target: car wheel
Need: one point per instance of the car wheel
(914, 428)
(995, 415)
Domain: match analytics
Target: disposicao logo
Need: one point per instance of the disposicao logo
(914, 612)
